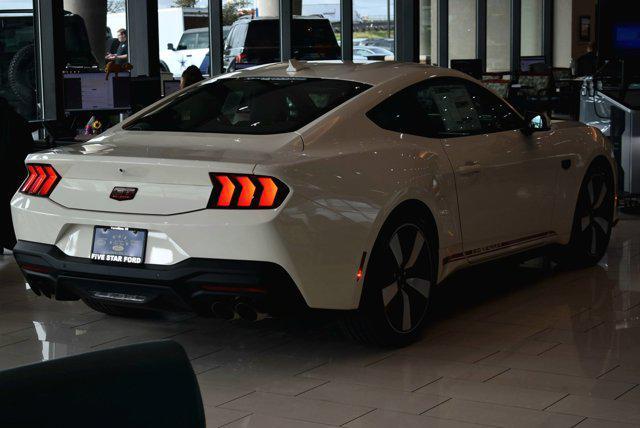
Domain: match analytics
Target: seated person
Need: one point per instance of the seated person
(190, 76)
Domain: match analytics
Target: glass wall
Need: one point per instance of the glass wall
(462, 29)
(317, 38)
(429, 31)
(373, 29)
(498, 35)
(183, 37)
(531, 38)
(17, 58)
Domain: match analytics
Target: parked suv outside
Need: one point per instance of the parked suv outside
(254, 41)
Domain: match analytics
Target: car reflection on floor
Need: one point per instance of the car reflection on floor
(505, 341)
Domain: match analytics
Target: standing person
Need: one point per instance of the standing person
(587, 64)
(15, 144)
(190, 76)
(122, 53)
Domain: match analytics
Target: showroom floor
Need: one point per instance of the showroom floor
(508, 346)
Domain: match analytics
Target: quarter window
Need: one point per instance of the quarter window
(445, 108)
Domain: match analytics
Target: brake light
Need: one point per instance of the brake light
(246, 191)
(40, 181)
(241, 58)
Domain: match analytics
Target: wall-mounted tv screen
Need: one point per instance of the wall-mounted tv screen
(627, 37)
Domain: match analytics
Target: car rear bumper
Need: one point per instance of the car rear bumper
(193, 284)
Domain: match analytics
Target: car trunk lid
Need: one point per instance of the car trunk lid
(170, 170)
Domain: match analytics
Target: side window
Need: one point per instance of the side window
(407, 112)
(188, 41)
(437, 108)
(494, 114)
(203, 40)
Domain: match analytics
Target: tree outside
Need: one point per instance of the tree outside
(232, 10)
(184, 3)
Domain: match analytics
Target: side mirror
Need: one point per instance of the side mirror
(170, 46)
(535, 122)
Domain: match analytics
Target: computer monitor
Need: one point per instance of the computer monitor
(87, 91)
(170, 86)
(527, 61)
(473, 67)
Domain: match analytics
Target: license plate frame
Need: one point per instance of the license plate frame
(132, 241)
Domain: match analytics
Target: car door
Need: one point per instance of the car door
(505, 179)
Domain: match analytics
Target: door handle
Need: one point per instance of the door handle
(470, 168)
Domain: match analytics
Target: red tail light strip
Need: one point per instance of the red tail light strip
(226, 194)
(237, 191)
(248, 190)
(31, 177)
(41, 181)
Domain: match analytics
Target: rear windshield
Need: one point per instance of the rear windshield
(305, 33)
(249, 106)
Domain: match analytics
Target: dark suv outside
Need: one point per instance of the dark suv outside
(254, 41)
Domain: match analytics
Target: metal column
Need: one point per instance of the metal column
(516, 27)
(481, 32)
(142, 35)
(443, 33)
(407, 13)
(547, 31)
(346, 29)
(215, 37)
(50, 54)
(286, 22)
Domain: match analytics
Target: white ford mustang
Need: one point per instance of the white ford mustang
(354, 187)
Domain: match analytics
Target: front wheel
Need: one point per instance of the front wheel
(397, 286)
(593, 219)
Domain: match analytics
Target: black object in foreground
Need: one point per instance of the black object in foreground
(144, 385)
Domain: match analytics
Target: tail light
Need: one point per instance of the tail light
(40, 181)
(246, 191)
(241, 58)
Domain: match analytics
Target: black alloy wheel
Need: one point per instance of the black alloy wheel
(593, 219)
(397, 285)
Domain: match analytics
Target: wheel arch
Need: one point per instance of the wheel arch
(412, 205)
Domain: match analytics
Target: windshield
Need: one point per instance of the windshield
(264, 105)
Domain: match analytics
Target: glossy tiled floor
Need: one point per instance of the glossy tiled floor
(508, 346)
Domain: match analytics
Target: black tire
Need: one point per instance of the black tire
(593, 219)
(21, 75)
(396, 289)
(120, 311)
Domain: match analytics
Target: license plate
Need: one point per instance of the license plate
(120, 245)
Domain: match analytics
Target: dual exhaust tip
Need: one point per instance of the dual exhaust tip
(229, 310)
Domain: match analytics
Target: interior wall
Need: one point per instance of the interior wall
(581, 8)
(562, 32)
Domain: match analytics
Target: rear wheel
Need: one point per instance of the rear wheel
(397, 285)
(119, 311)
(592, 220)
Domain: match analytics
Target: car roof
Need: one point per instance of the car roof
(248, 18)
(369, 72)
